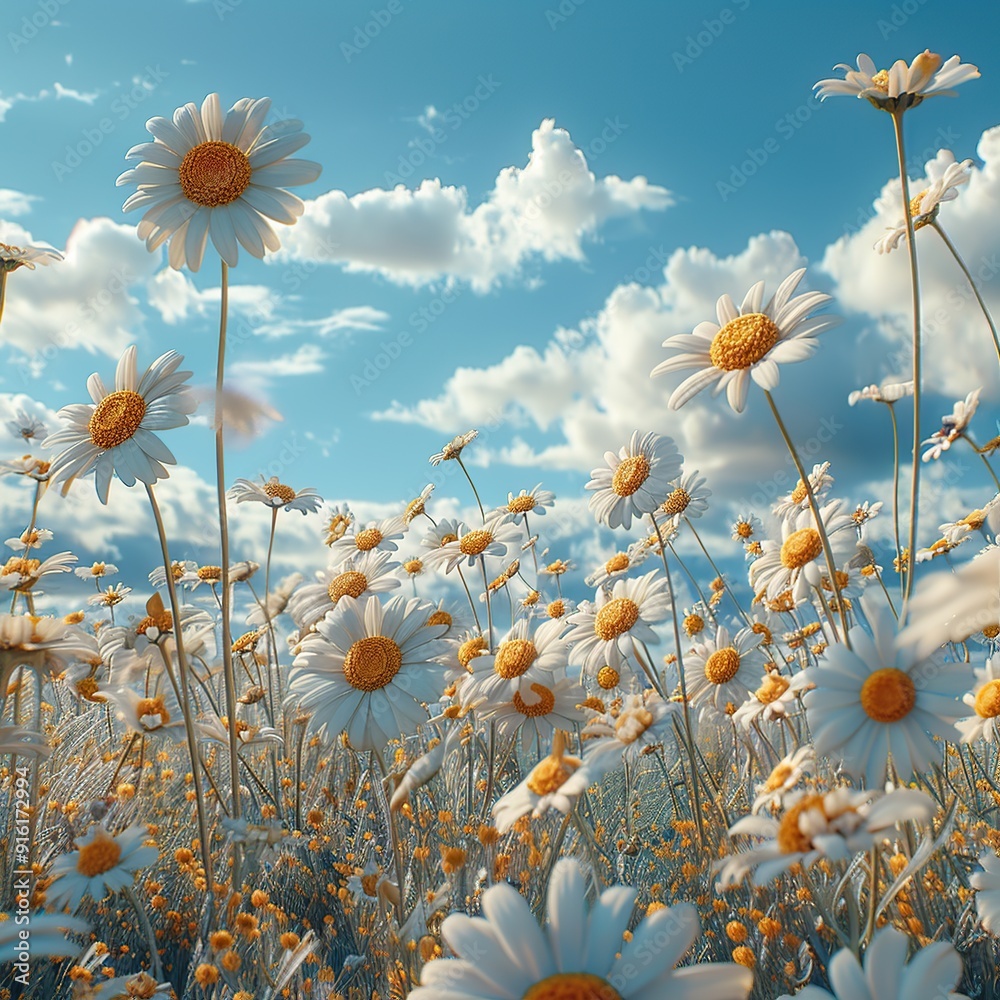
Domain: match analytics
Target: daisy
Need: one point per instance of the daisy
(944, 177)
(157, 713)
(745, 527)
(368, 670)
(532, 501)
(418, 505)
(688, 497)
(955, 531)
(454, 448)
(618, 565)
(179, 569)
(835, 825)
(636, 479)
(98, 570)
(901, 86)
(785, 775)
(103, 863)
(987, 886)
(221, 175)
(798, 564)
(889, 392)
(555, 782)
(21, 574)
(820, 481)
(46, 645)
(11, 257)
(277, 601)
(882, 700)
(505, 954)
(494, 539)
(110, 597)
(276, 494)
(115, 434)
(719, 671)
(446, 530)
(749, 342)
(864, 512)
(340, 518)
(985, 701)
(775, 699)
(370, 883)
(26, 427)
(381, 535)
(544, 709)
(33, 468)
(644, 720)
(604, 632)
(35, 540)
(952, 426)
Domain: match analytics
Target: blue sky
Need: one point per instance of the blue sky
(703, 110)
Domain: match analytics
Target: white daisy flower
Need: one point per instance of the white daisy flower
(370, 883)
(276, 603)
(99, 570)
(636, 479)
(618, 565)
(749, 342)
(819, 479)
(955, 531)
(505, 954)
(533, 501)
(274, 494)
(775, 699)
(26, 427)
(985, 702)
(987, 886)
(110, 596)
(544, 709)
(368, 670)
(687, 498)
(25, 541)
(644, 720)
(746, 526)
(11, 257)
(156, 714)
(835, 825)
(453, 449)
(784, 776)
(338, 519)
(116, 433)
(446, 530)
(21, 573)
(103, 863)
(493, 540)
(901, 86)
(944, 177)
(604, 632)
(418, 505)
(33, 468)
(882, 700)
(932, 973)
(381, 535)
(864, 512)
(208, 174)
(888, 392)
(952, 426)
(719, 671)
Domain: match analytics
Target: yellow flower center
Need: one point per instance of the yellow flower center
(474, 543)
(616, 618)
(86, 688)
(367, 539)
(556, 609)
(522, 504)
(337, 528)
(572, 986)
(801, 547)
(99, 856)
(116, 418)
(991, 631)
(607, 678)
(448, 539)
(777, 778)
(214, 173)
(470, 649)
(988, 700)
(154, 710)
(413, 509)
(631, 473)
(617, 563)
(550, 774)
(723, 665)
(677, 502)
(744, 529)
(630, 725)
(275, 489)
(413, 566)
(888, 695)
(372, 662)
(772, 689)
(693, 624)
(352, 582)
(163, 622)
(800, 492)
(761, 629)
(790, 837)
(743, 342)
(546, 702)
(439, 618)
(881, 81)
(514, 657)
(369, 884)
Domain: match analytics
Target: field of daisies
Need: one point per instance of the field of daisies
(335, 787)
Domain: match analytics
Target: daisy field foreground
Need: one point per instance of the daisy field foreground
(347, 786)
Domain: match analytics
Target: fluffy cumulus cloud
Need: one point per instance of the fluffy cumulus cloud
(546, 210)
(956, 337)
(14, 204)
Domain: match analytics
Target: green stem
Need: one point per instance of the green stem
(475, 492)
(895, 488)
(147, 929)
(3, 290)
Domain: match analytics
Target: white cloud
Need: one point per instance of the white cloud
(14, 204)
(7, 101)
(306, 359)
(84, 97)
(543, 210)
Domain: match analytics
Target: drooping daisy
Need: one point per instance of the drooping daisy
(26, 427)
(952, 426)
(494, 539)
(623, 734)
(784, 776)
(27, 465)
(882, 700)
(618, 565)
(944, 178)
(208, 174)
(382, 535)
(987, 886)
(418, 505)
(932, 974)
(775, 699)
(836, 825)
(636, 479)
(11, 257)
(820, 482)
(45, 645)
(901, 86)
(984, 700)
(536, 715)
(688, 497)
(719, 672)
(505, 954)
(604, 632)
(103, 863)
(533, 501)
(116, 433)
(888, 392)
(749, 342)
(454, 448)
(34, 539)
(274, 493)
(21, 573)
(368, 670)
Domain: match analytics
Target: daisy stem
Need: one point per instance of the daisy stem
(814, 507)
(895, 487)
(872, 894)
(267, 612)
(489, 607)
(147, 929)
(192, 743)
(694, 582)
(227, 596)
(717, 571)
(989, 468)
(468, 593)
(688, 730)
(968, 277)
(475, 492)
(897, 123)
(3, 289)
(397, 847)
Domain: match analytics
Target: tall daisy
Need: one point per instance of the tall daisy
(208, 174)
(747, 343)
(688, 497)
(636, 479)
(12, 257)
(367, 671)
(533, 501)
(274, 494)
(115, 434)
(719, 672)
(539, 713)
(984, 700)
(493, 540)
(505, 954)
